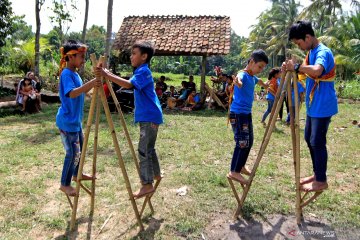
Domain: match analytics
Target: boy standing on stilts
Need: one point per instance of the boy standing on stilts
(321, 100)
(240, 113)
(148, 112)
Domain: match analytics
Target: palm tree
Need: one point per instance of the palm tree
(25, 53)
(272, 31)
(344, 40)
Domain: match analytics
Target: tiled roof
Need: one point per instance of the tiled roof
(177, 35)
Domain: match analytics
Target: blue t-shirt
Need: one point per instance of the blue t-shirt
(243, 97)
(70, 113)
(324, 103)
(270, 96)
(301, 89)
(147, 105)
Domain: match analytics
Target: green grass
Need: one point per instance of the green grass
(194, 151)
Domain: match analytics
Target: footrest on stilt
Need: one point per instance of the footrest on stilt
(148, 198)
(305, 201)
(236, 195)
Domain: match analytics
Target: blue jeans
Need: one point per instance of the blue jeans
(268, 110)
(72, 142)
(315, 137)
(149, 162)
(244, 138)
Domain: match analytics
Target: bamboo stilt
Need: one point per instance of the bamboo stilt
(96, 93)
(297, 150)
(301, 201)
(262, 148)
(96, 137)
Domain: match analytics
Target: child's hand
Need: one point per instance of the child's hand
(96, 82)
(238, 82)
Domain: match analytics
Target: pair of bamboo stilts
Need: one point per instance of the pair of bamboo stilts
(95, 101)
(301, 201)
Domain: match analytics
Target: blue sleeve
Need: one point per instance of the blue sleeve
(325, 59)
(256, 80)
(68, 83)
(141, 79)
(300, 88)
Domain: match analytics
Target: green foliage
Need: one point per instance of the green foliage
(6, 21)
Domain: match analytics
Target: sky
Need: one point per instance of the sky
(242, 15)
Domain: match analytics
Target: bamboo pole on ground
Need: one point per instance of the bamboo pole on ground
(297, 150)
(262, 149)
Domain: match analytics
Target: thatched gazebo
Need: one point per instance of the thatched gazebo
(177, 35)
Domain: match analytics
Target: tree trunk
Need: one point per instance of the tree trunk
(109, 31)
(83, 36)
(38, 4)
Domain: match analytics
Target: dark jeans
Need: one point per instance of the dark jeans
(149, 163)
(72, 142)
(268, 110)
(315, 137)
(282, 107)
(244, 137)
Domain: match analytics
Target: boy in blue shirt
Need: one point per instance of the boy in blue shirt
(320, 99)
(70, 114)
(240, 112)
(148, 112)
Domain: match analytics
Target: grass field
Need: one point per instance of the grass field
(194, 150)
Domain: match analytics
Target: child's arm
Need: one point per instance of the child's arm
(85, 88)
(238, 82)
(311, 70)
(261, 83)
(118, 80)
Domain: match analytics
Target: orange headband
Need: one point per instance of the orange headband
(71, 52)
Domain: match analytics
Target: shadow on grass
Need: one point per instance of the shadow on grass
(149, 233)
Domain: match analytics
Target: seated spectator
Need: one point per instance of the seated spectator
(191, 86)
(171, 95)
(192, 102)
(162, 84)
(28, 91)
(158, 90)
(183, 94)
(25, 88)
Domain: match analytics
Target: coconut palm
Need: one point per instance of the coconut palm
(24, 53)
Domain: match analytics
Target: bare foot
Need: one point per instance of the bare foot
(143, 191)
(314, 186)
(245, 171)
(307, 180)
(68, 190)
(237, 177)
(84, 177)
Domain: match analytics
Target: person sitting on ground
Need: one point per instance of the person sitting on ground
(162, 84)
(172, 95)
(158, 90)
(192, 102)
(183, 94)
(191, 86)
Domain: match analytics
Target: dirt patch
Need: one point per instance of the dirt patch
(273, 227)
